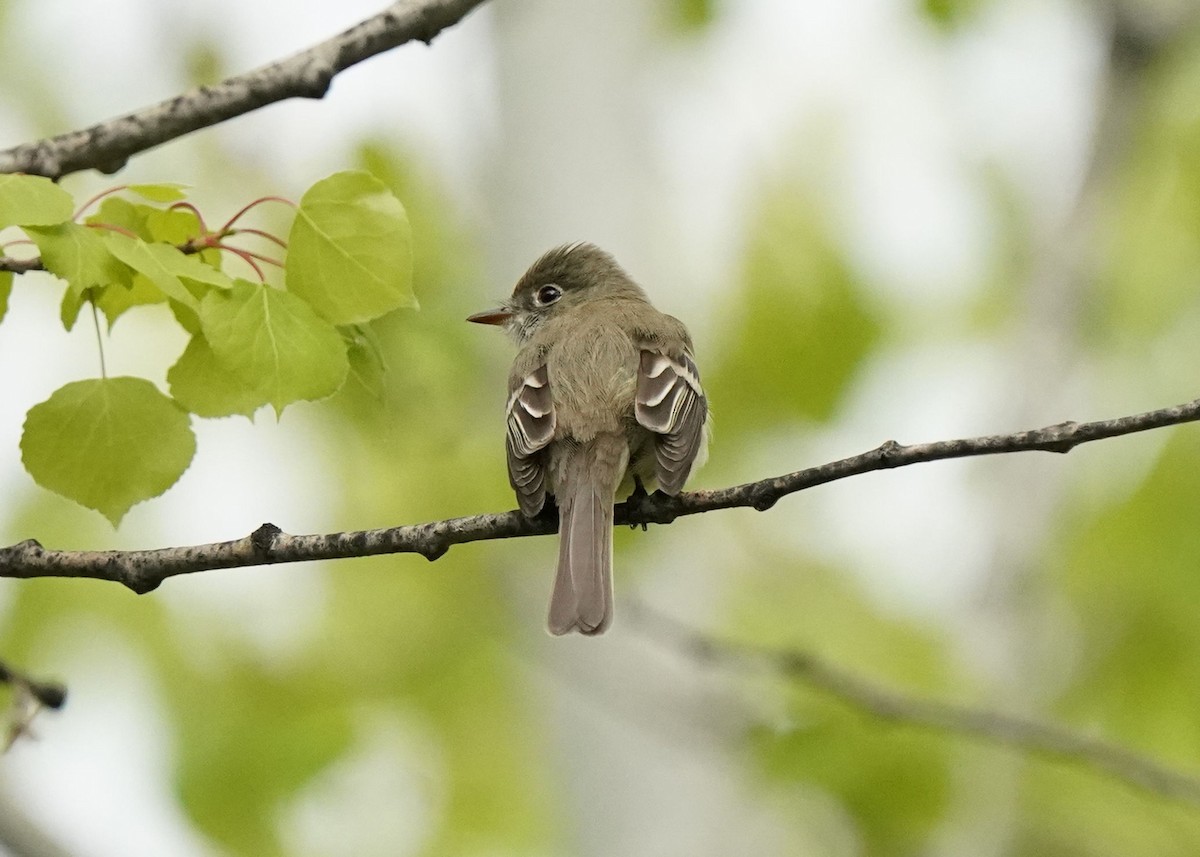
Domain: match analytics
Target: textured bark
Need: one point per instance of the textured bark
(144, 570)
(108, 145)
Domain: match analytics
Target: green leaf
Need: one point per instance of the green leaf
(205, 387)
(273, 342)
(178, 226)
(158, 262)
(107, 443)
(32, 201)
(79, 255)
(367, 363)
(188, 320)
(122, 213)
(160, 191)
(69, 310)
(350, 249)
(6, 281)
(172, 226)
(115, 302)
(191, 268)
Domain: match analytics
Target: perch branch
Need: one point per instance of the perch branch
(143, 570)
(107, 146)
(883, 703)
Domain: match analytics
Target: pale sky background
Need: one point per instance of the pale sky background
(910, 118)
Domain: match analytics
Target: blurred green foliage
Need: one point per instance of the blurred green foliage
(1150, 240)
(1129, 571)
(894, 781)
(1134, 592)
(691, 16)
(238, 764)
(949, 14)
(437, 648)
(799, 324)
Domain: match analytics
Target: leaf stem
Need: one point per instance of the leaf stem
(95, 199)
(245, 257)
(112, 227)
(245, 208)
(99, 338)
(260, 233)
(193, 210)
(248, 256)
(244, 253)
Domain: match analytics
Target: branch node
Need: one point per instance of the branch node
(1068, 439)
(263, 539)
(428, 28)
(108, 168)
(141, 584)
(889, 451)
(435, 552)
(315, 80)
(763, 497)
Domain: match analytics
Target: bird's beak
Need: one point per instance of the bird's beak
(499, 315)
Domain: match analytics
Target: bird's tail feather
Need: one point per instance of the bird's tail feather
(583, 596)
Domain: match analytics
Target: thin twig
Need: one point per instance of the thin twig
(51, 694)
(144, 570)
(108, 145)
(21, 266)
(202, 242)
(884, 703)
(30, 697)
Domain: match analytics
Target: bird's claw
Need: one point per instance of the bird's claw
(635, 500)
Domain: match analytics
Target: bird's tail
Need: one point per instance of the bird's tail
(583, 593)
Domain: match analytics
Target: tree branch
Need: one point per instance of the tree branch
(884, 703)
(21, 266)
(50, 694)
(187, 248)
(108, 145)
(143, 570)
(30, 697)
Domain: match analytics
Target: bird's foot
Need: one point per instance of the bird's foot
(549, 510)
(635, 500)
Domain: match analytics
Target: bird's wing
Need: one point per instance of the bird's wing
(670, 402)
(531, 424)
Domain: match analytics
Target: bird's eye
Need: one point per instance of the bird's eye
(547, 295)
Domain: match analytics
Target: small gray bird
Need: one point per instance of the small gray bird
(604, 395)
